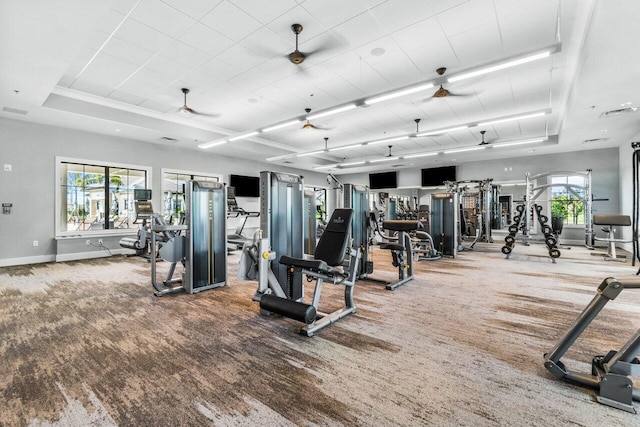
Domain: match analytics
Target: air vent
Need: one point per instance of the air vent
(168, 139)
(14, 110)
(590, 141)
(613, 113)
(287, 162)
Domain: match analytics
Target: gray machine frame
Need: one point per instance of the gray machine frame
(610, 374)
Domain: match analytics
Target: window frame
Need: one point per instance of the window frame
(59, 161)
(566, 177)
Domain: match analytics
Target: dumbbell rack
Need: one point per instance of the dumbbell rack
(520, 223)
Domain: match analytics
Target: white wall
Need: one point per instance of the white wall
(626, 188)
(31, 150)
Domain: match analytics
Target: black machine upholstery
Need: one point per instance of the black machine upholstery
(401, 225)
(619, 220)
(331, 247)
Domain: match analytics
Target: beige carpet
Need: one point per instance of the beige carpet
(87, 343)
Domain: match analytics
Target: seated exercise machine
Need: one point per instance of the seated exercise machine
(198, 244)
(280, 288)
(609, 222)
(610, 374)
(401, 251)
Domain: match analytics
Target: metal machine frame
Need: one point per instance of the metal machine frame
(610, 374)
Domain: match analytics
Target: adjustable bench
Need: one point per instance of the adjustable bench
(610, 222)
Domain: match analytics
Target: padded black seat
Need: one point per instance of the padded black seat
(619, 220)
(401, 225)
(392, 246)
(331, 247)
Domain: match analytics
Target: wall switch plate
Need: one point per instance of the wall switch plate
(7, 168)
(35, 243)
(88, 242)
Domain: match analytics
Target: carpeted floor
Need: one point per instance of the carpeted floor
(87, 343)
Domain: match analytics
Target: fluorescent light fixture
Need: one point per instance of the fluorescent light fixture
(384, 159)
(462, 150)
(212, 144)
(399, 138)
(437, 132)
(398, 94)
(353, 163)
(344, 147)
(309, 154)
(280, 126)
(528, 141)
(331, 112)
(413, 156)
(246, 135)
(326, 166)
(510, 119)
(499, 67)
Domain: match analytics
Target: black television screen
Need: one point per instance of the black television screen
(437, 176)
(383, 180)
(141, 194)
(245, 186)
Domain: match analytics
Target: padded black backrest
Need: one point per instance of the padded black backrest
(332, 245)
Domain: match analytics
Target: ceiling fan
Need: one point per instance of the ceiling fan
(309, 125)
(296, 57)
(482, 132)
(188, 110)
(442, 92)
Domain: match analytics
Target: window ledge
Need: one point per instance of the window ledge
(103, 233)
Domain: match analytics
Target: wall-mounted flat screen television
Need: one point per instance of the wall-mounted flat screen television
(383, 180)
(141, 194)
(245, 186)
(433, 177)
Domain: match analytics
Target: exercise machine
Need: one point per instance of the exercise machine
(445, 223)
(310, 223)
(610, 374)
(636, 203)
(236, 239)
(280, 289)
(198, 244)
(609, 222)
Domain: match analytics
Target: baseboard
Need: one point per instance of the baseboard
(89, 255)
(9, 262)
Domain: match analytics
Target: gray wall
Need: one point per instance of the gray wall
(626, 188)
(31, 150)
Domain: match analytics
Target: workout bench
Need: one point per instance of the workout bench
(609, 222)
(401, 250)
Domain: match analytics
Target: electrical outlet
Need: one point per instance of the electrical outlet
(99, 242)
(35, 243)
(88, 242)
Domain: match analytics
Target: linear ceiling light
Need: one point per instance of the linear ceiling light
(331, 112)
(280, 126)
(413, 156)
(510, 119)
(498, 67)
(212, 144)
(246, 135)
(398, 138)
(309, 154)
(384, 159)
(353, 163)
(326, 166)
(462, 150)
(528, 141)
(437, 132)
(344, 147)
(398, 94)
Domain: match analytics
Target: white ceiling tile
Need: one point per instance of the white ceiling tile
(93, 87)
(371, 53)
(268, 44)
(395, 15)
(105, 78)
(167, 67)
(399, 71)
(127, 98)
(123, 6)
(265, 11)
(82, 58)
(139, 88)
(434, 55)
(109, 22)
(113, 64)
(196, 9)
(126, 51)
(227, 19)
(505, 8)
(96, 39)
(218, 71)
(185, 54)
(542, 37)
(360, 30)
(371, 3)
(156, 106)
(330, 13)
(205, 39)
(152, 78)
(479, 45)
(297, 15)
(66, 80)
(422, 33)
(198, 82)
(162, 17)
(240, 57)
(466, 16)
(529, 20)
(142, 35)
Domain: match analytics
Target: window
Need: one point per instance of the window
(568, 195)
(173, 190)
(97, 197)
